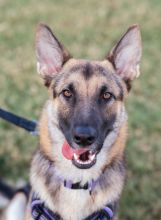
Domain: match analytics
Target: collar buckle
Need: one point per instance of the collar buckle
(88, 186)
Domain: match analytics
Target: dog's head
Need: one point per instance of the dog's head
(87, 97)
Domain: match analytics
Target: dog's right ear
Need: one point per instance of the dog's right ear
(50, 53)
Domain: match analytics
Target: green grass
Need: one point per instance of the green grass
(88, 29)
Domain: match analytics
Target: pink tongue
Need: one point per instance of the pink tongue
(68, 152)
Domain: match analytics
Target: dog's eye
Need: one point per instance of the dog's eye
(67, 93)
(107, 96)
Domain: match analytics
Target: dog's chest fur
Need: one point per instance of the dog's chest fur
(75, 204)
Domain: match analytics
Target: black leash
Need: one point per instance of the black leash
(24, 123)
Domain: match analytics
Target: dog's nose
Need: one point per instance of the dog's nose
(84, 135)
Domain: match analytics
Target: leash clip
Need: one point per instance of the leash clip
(34, 132)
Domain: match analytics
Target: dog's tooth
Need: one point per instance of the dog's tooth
(79, 161)
(83, 162)
(87, 162)
(91, 157)
(91, 152)
(76, 157)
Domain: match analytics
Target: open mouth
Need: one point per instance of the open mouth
(81, 157)
(85, 160)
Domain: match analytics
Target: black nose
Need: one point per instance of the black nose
(84, 135)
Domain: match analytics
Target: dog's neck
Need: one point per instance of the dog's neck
(43, 163)
(50, 187)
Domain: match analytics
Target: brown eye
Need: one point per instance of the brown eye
(106, 96)
(67, 93)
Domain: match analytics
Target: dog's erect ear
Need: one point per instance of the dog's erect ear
(50, 53)
(126, 55)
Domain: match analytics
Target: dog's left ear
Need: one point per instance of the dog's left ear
(51, 54)
(126, 55)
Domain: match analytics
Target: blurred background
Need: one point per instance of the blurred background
(89, 29)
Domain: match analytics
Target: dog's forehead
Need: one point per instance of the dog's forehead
(85, 71)
(88, 75)
(88, 67)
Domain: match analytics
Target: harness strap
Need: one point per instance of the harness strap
(40, 212)
(26, 124)
(106, 213)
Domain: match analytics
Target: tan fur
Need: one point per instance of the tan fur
(118, 148)
(44, 137)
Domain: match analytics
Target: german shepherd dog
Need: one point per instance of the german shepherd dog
(78, 171)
